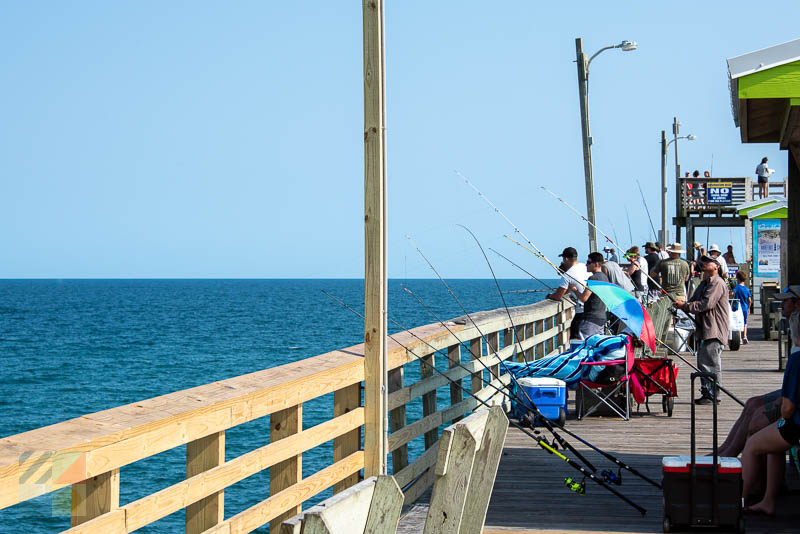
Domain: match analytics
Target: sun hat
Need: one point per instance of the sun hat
(675, 248)
(698, 244)
(649, 244)
(791, 292)
(714, 248)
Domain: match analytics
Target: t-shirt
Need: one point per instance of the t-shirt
(742, 294)
(762, 170)
(617, 276)
(673, 273)
(791, 383)
(652, 260)
(576, 276)
(594, 310)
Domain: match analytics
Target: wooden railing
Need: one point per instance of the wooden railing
(87, 453)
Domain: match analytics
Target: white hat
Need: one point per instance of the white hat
(675, 248)
(714, 248)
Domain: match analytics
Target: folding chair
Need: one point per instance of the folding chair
(604, 393)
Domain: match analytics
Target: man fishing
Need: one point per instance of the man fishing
(575, 274)
(652, 258)
(709, 304)
(673, 272)
(595, 313)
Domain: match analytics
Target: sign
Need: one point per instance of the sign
(695, 194)
(767, 247)
(719, 193)
(733, 268)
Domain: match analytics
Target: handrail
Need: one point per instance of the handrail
(87, 452)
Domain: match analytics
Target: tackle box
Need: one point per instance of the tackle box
(548, 394)
(702, 491)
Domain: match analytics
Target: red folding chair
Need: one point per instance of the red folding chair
(604, 392)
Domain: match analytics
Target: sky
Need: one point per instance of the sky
(213, 139)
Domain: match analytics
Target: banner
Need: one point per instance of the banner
(767, 247)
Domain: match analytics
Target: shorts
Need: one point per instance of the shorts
(772, 406)
(790, 431)
(763, 179)
(574, 327)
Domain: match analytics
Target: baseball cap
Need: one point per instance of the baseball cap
(569, 252)
(791, 292)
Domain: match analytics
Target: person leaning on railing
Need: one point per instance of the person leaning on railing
(774, 440)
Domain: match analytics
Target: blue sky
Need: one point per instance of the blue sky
(211, 139)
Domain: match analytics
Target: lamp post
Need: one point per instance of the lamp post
(664, 146)
(583, 90)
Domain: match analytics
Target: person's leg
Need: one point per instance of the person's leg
(767, 440)
(776, 465)
(715, 353)
(737, 436)
(706, 365)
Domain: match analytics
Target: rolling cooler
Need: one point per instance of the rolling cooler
(704, 491)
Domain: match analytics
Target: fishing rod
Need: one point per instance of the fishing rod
(613, 229)
(630, 233)
(548, 288)
(655, 235)
(580, 488)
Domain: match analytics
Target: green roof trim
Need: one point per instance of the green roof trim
(747, 207)
(782, 81)
(780, 213)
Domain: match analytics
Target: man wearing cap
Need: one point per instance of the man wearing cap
(709, 304)
(652, 257)
(674, 272)
(573, 273)
(715, 252)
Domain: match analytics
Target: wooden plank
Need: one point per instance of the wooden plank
(418, 488)
(202, 455)
(418, 466)
(397, 420)
(453, 361)
(475, 352)
(345, 512)
(290, 471)
(428, 400)
(94, 497)
(384, 510)
(375, 288)
(344, 401)
(493, 343)
(290, 498)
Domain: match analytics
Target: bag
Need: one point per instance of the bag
(736, 318)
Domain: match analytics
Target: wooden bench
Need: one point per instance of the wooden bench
(467, 459)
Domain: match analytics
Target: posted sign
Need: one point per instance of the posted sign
(719, 193)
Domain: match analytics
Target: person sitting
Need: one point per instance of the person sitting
(595, 313)
(774, 440)
(765, 409)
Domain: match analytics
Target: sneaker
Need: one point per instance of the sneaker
(745, 341)
(703, 400)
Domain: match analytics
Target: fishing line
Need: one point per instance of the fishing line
(546, 287)
(540, 441)
(655, 235)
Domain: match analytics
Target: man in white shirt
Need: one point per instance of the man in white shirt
(575, 274)
(715, 252)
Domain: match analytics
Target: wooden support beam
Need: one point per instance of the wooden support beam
(454, 359)
(346, 400)
(288, 472)
(397, 420)
(793, 220)
(493, 345)
(476, 351)
(201, 455)
(375, 287)
(427, 364)
(94, 497)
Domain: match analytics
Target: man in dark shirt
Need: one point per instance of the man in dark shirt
(595, 312)
(652, 257)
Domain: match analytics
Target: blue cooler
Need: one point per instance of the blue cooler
(549, 395)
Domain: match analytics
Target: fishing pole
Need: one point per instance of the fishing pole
(539, 440)
(548, 288)
(630, 233)
(655, 235)
(613, 229)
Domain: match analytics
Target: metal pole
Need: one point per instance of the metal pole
(676, 128)
(587, 141)
(663, 188)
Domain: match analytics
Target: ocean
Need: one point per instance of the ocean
(72, 347)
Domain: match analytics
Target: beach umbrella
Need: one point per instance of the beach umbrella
(628, 309)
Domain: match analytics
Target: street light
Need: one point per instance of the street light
(664, 146)
(583, 90)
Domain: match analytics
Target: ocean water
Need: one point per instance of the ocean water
(72, 347)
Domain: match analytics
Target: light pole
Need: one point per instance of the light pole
(583, 90)
(664, 146)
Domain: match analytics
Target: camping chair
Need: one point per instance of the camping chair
(603, 391)
(660, 312)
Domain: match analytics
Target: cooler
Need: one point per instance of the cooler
(548, 394)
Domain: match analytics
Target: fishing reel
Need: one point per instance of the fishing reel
(610, 477)
(577, 487)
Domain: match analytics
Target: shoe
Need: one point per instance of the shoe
(745, 341)
(703, 400)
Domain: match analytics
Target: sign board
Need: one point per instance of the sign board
(733, 268)
(695, 194)
(719, 193)
(767, 247)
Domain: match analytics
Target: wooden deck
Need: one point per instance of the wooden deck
(529, 493)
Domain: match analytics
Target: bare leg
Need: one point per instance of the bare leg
(776, 465)
(767, 440)
(734, 443)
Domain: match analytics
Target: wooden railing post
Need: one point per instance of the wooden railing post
(289, 472)
(201, 455)
(427, 364)
(454, 360)
(476, 351)
(493, 344)
(345, 400)
(541, 348)
(397, 419)
(94, 496)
